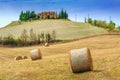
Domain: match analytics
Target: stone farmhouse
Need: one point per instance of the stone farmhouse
(47, 15)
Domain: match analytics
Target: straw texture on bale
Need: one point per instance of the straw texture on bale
(18, 58)
(36, 54)
(46, 44)
(24, 57)
(81, 60)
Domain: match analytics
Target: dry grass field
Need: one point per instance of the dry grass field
(64, 29)
(55, 65)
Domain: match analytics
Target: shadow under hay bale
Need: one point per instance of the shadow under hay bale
(46, 44)
(18, 58)
(81, 60)
(24, 57)
(36, 54)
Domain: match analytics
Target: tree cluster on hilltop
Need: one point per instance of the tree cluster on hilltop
(110, 26)
(28, 15)
(63, 14)
(31, 15)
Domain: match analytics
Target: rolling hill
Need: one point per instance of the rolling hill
(65, 30)
(55, 65)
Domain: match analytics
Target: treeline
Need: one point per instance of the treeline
(28, 38)
(31, 15)
(63, 14)
(28, 15)
(110, 26)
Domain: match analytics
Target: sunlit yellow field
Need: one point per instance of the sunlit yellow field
(55, 65)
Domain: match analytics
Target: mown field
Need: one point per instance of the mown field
(55, 65)
(65, 30)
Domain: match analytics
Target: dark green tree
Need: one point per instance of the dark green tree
(90, 20)
(66, 15)
(33, 15)
(85, 20)
(28, 15)
(21, 15)
(95, 22)
(59, 15)
(63, 14)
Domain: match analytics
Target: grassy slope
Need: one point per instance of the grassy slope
(13, 23)
(65, 29)
(55, 65)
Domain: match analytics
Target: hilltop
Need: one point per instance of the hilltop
(65, 29)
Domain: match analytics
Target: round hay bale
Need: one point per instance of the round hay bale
(46, 44)
(36, 54)
(81, 60)
(24, 57)
(18, 58)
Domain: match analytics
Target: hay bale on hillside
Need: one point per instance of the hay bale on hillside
(81, 60)
(24, 57)
(36, 54)
(18, 58)
(46, 44)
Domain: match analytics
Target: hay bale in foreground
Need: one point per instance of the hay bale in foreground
(36, 54)
(81, 60)
(24, 57)
(46, 44)
(18, 58)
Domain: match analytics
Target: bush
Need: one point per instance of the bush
(118, 27)
(53, 35)
(48, 37)
(111, 26)
(9, 40)
(103, 24)
(42, 37)
(19, 42)
(39, 38)
(26, 39)
(90, 20)
(0, 39)
(33, 37)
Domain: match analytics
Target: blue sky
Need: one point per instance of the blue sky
(97, 9)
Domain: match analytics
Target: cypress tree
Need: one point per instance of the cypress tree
(63, 14)
(21, 15)
(27, 15)
(60, 15)
(33, 15)
(24, 17)
(66, 15)
(85, 20)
